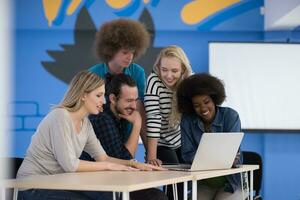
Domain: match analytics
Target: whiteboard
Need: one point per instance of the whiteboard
(262, 82)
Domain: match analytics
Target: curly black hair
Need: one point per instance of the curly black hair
(199, 84)
(121, 33)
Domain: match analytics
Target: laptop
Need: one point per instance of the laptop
(215, 151)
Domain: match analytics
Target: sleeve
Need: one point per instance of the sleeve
(188, 145)
(152, 108)
(61, 140)
(232, 121)
(93, 146)
(233, 124)
(94, 69)
(107, 134)
(98, 69)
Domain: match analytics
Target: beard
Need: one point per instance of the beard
(124, 111)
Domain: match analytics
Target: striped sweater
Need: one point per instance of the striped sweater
(158, 100)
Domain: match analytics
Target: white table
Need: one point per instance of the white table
(121, 181)
(115, 181)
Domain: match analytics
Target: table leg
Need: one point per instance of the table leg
(3, 192)
(125, 196)
(175, 194)
(185, 192)
(15, 194)
(194, 190)
(114, 195)
(251, 185)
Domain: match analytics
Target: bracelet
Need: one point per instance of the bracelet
(131, 162)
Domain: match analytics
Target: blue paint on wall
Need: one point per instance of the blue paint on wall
(129, 10)
(229, 13)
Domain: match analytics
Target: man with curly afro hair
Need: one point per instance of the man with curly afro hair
(118, 43)
(199, 99)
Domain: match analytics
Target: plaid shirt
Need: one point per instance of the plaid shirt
(110, 131)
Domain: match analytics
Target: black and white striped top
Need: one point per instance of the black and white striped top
(158, 100)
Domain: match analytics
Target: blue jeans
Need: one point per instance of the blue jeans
(38, 194)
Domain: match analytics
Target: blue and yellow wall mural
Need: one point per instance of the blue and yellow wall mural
(191, 12)
(195, 15)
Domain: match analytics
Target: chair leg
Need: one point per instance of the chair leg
(258, 197)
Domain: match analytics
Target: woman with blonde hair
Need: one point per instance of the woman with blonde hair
(62, 136)
(162, 119)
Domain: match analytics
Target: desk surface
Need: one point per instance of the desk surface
(117, 181)
(223, 172)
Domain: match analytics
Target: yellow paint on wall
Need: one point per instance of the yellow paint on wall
(117, 4)
(72, 7)
(51, 8)
(195, 11)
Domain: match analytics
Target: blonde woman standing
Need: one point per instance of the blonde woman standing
(162, 119)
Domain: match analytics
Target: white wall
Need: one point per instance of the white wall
(261, 82)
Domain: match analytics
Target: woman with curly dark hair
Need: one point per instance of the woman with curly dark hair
(118, 43)
(199, 99)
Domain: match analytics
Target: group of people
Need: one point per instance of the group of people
(107, 108)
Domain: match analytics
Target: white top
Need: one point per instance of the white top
(56, 147)
(158, 104)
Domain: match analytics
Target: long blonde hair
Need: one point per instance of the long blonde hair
(83, 82)
(174, 52)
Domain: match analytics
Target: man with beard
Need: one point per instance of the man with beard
(109, 127)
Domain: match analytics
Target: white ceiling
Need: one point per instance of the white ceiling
(282, 14)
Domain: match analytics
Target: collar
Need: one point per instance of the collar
(109, 112)
(106, 69)
(217, 122)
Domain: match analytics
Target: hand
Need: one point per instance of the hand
(146, 167)
(156, 168)
(118, 167)
(133, 118)
(236, 161)
(100, 109)
(155, 162)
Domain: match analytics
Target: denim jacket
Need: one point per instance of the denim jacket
(192, 128)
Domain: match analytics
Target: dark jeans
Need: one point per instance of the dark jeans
(38, 194)
(170, 156)
(148, 194)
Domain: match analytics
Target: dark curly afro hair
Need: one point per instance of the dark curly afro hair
(199, 84)
(121, 33)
